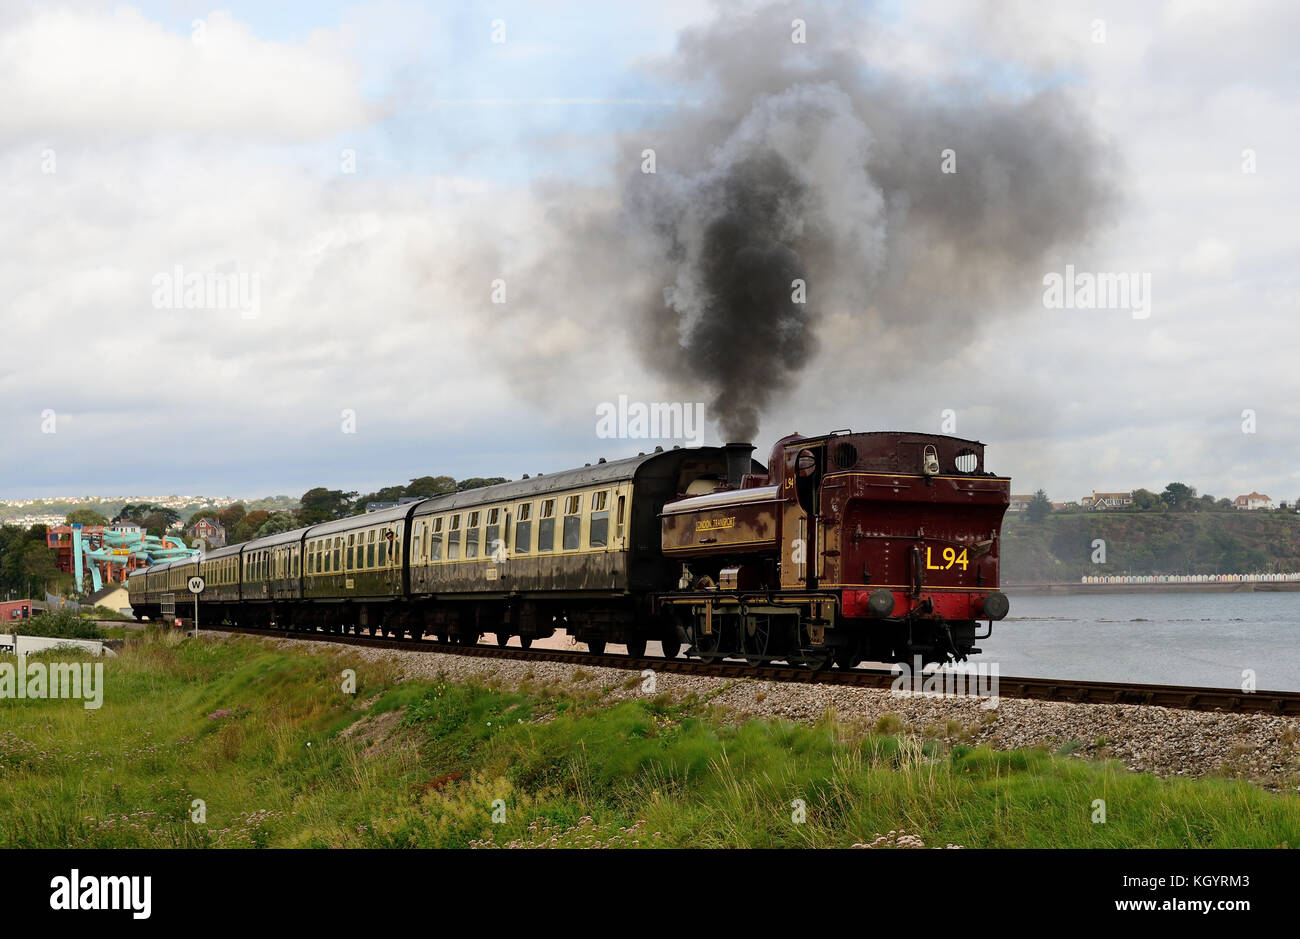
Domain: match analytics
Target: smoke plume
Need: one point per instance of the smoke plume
(804, 162)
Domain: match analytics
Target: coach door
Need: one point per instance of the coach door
(801, 472)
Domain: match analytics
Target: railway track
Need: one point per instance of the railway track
(1188, 698)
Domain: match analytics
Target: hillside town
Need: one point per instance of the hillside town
(1110, 501)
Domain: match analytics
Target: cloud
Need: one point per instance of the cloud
(69, 74)
(375, 286)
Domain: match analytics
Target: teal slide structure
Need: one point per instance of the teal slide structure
(146, 548)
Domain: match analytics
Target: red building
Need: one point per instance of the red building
(15, 611)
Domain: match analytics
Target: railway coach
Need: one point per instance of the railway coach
(577, 550)
(881, 546)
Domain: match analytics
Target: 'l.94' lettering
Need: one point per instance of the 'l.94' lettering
(951, 557)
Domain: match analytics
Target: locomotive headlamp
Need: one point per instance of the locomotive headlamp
(881, 602)
(996, 605)
(805, 463)
(930, 461)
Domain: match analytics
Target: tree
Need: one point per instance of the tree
(247, 526)
(1039, 507)
(1179, 497)
(277, 524)
(387, 494)
(38, 563)
(323, 505)
(478, 482)
(425, 487)
(231, 515)
(1144, 500)
(85, 517)
(201, 514)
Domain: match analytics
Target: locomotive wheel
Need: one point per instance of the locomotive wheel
(710, 646)
(596, 646)
(756, 639)
(671, 647)
(848, 656)
(636, 648)
(526, 642)
(502, 639)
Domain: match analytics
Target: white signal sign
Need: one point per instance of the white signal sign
(196, 585)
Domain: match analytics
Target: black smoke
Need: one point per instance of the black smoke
(805, 162)
(809, 162)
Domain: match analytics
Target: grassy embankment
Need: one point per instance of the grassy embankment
(1060, 548)
(281, 756)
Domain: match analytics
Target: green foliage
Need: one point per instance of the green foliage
(278, 523)
(61, 624)
(424, 487)
(323, 505)
(423, 763)
(1150, 542)
(85, 517)
(478, 482)
(27, 565)
(1179, 497)
(1039, 507)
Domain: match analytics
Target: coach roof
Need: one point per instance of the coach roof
(591, 475)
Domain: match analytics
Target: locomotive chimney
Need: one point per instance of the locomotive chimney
(739, 462)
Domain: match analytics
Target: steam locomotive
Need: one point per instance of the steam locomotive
(846, 547)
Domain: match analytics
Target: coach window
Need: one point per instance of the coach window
(572, 523)
(622, 516)
(383, 548)
(493, 546)
(546, 527)
(523, 527)
(370, 549)
(396, 554)
(435, 540)
(453, 538)
(471, 536)
(598, 533)
(338, 553)
(419, 548)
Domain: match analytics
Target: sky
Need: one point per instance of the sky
(368, 172)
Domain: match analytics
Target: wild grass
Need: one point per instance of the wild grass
(280, 755)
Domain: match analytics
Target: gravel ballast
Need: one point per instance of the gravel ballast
(1164, 741)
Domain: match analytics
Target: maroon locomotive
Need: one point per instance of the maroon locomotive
(879, 546)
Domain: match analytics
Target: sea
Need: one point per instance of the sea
(1206, 639)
